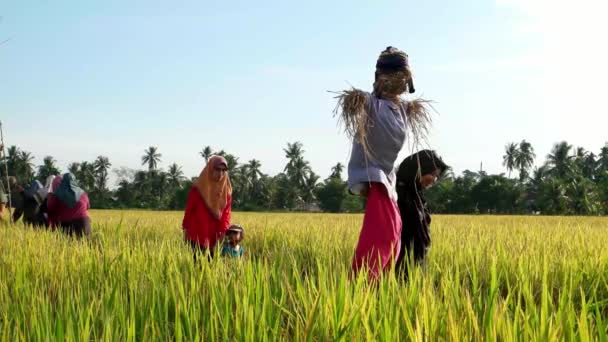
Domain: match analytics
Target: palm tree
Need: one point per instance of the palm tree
(151, 157)
(524, 159)
(589, 165)
(294, 151)
(251, 175)
(19, 164)
(602, 159)
(298, 172)
(86, 175)
(253, 172)
(508, 160)
(560, 159)
(310, 187)
(12, 160)
(48, 168)
(26, 165)
(297, 168)
(336, 171)
(175, 175)
(74, 168)
(160, 184)
(206, 153)
(101, 166)
(232, 161)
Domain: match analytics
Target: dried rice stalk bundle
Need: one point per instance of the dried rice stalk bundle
(419, 120)
(351, 110)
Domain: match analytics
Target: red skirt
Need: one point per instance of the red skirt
(379, 241)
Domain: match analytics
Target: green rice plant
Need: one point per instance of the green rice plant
(503, 278)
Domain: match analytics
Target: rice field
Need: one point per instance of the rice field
(488, 278)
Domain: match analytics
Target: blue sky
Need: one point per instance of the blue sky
(81, 79)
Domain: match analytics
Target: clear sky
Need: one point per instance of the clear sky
(80, 79)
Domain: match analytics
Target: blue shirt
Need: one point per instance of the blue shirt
(228, 251)
(386, 137)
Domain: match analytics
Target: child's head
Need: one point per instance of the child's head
(393, 74)
(235, 234)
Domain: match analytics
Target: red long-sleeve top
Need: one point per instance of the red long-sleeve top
(59, 212)
(202, 227)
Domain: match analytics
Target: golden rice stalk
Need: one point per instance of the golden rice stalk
(351, 110)
(419, 120)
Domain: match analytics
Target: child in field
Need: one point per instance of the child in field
(378, 123)
(232, 243)
(416, 173)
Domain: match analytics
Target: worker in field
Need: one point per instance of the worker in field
(68, 207)
(33, 206)
(416, 173)
(3, 205)
(16, 200)
(208, 208)
(378, 123)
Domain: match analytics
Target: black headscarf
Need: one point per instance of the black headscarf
(416, 165)
(415, 216)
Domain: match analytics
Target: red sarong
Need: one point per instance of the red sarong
(379, 241)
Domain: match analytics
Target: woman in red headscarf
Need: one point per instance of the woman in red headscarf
(208, 209)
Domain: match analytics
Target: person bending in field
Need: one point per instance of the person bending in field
(378, 124)
(16, 197)
(415, 174)
(68, 207)
(33, 206)
(232, 243)
(209, 206)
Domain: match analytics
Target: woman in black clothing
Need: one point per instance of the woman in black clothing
(416, 173)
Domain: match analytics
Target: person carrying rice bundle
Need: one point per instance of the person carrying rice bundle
(378, 123)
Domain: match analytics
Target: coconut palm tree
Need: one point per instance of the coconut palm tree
(48, 168)
(101, 165)
(297, 169)
(310, 186)
(206, 153)
(508, 160)
(524, 159)
(86, 176)
(294, 151)
(336, 171)
(232, 163)
(151, 157)
(175, 176)
(560, 159)
(74, 168)
(253, 172)
(602, 159)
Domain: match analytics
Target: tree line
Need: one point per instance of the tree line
(571, 181)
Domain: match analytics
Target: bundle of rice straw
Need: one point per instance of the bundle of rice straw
(351, 110)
